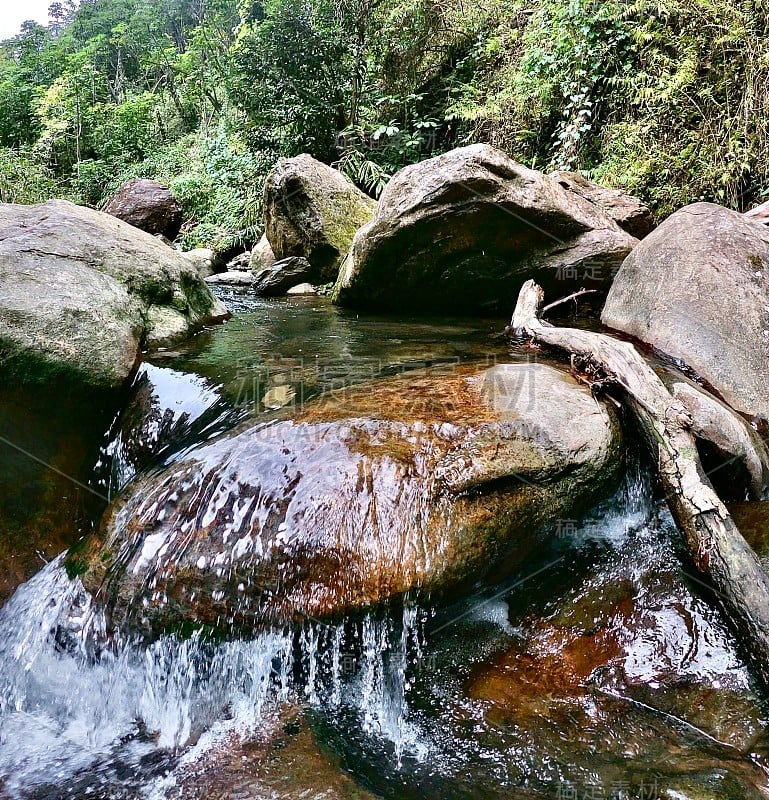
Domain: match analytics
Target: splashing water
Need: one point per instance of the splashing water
(69, 709)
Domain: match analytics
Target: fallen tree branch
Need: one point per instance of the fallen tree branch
(563, 300)
(718, 549)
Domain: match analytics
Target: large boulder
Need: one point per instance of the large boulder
(697, 289)
(82, 292)
(282, 275)
(628, 211)
(313, 211)
(462, 231)
(147, 205)
(420, 482)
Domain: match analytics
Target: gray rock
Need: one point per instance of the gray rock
(241, 262)
(759, 213)
(743, 468)
(234, 277)
(697, 289)
(279, 278)
(204, 260)
(462, 231)
(262, 256)
(313, 211)
(420, 483)
(628, 211)
(81, 292)
(148, 206)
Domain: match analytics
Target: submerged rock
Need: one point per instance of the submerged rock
(147, 205)
(81, 293)
(629, 212)
(697, 289)
(462, 231)
(426, 483)
(313, 211)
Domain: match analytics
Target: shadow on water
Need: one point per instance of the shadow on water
(50, 493)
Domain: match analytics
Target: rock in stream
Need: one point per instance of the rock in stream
(420, 482)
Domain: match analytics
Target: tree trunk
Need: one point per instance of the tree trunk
(717, 548)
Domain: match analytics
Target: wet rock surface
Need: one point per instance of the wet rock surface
(601, 672)
(464, 230)
(282, 275)
(410, 483)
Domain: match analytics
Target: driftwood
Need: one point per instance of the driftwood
(717, 548)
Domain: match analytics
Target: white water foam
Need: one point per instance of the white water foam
(67, 708)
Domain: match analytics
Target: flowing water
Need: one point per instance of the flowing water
(602, 668)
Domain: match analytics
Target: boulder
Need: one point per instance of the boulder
(262, 256)
(313, 211)
(204, 260)
(148, 206)
(82, 292)
(697, 289)
(462, 231)
(282, 275)
(241, 262)
(235, 277)
(628, 211)
(421, 482)
(759, 213)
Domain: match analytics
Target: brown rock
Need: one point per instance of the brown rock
(147, 205)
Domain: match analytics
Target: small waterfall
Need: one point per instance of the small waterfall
(68, 708)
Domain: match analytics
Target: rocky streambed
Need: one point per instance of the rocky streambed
(568, 650)
(318, 553)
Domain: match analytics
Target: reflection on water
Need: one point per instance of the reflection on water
(310, 347)
(599, 670)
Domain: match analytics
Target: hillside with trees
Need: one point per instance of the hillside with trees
(669, 100)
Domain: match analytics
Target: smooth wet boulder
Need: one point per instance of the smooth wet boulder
(313, 211)
(282, 275)
(628, 211)
(461, 232)
(697, 289)
(421, 482)
(81, 293)
(147, 205)
(233, 277)
(302, 289)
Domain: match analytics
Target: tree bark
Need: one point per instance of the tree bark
(717, 548)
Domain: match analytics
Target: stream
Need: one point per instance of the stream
(600, 669)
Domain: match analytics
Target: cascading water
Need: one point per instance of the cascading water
(71, 711)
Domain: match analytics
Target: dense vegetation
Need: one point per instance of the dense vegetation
(668, 98)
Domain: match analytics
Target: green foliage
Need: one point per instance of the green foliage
(23, 179)
(289, 77)
(667, 98)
